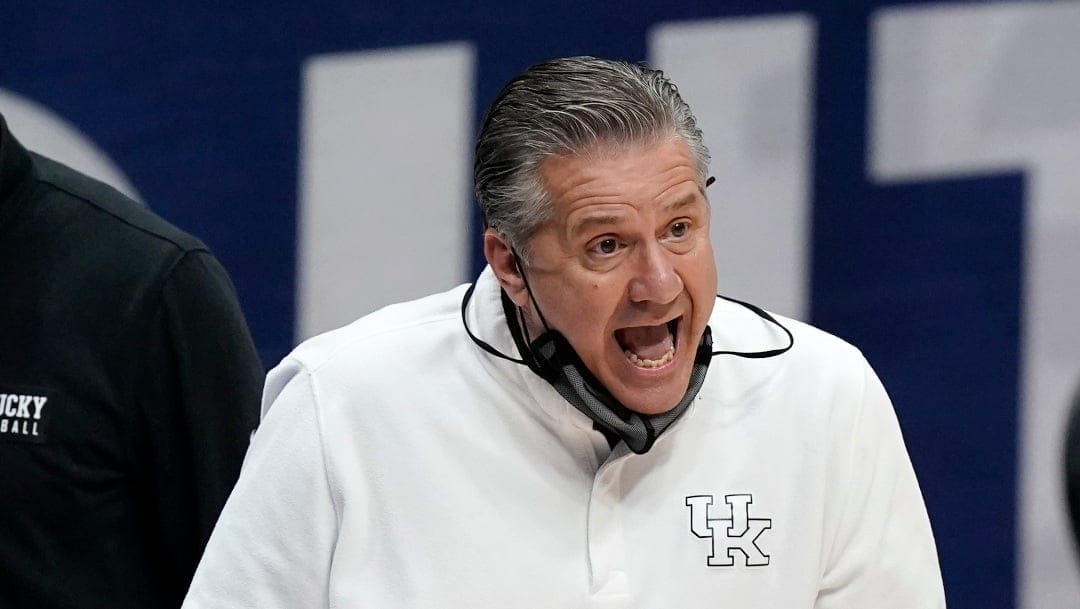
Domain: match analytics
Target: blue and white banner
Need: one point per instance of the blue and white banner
(901, 174)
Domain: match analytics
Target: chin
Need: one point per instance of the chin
(653, 402)
(656, 391)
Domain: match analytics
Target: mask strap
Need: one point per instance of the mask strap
(480, 342)
(514, 316)
(532, 298)
(762, 313)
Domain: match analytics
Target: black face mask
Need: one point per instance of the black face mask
(552, 358)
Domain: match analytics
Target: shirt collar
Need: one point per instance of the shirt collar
(486, 317)
(16, 171)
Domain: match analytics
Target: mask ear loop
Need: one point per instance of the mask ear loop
(465, 322)
(476, 339)
(520, 313)
(751, 355)
(762, 313)
(532, 298)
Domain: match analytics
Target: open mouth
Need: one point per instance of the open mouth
(649, 346)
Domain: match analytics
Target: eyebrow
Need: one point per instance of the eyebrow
(682, 202)
(602, 219)
(591, 221)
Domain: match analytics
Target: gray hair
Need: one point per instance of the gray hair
(564, 107)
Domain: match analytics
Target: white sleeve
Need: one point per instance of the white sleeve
(883, 553)
(272, 546)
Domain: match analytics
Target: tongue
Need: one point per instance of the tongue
(648, 342)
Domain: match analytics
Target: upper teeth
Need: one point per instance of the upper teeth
(651, 363)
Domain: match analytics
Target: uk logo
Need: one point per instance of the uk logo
(734, 535)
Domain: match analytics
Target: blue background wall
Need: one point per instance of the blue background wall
(200, 106)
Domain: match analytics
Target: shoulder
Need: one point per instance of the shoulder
(121, 258)
(378, 356)
(406, 331)
(817, 363)
(103, 211)
(820, 349)
(738, 327)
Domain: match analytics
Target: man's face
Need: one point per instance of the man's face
(624, 269)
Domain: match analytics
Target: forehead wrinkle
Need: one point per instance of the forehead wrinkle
(591, 220)
(584, 190)
(687, 200)
(674, 173)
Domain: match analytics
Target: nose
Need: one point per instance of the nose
(655, 279)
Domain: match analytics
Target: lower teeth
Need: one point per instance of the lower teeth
(651, 363)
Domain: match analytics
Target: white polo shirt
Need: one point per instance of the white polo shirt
(398, 465)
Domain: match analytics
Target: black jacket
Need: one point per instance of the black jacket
(129, 386)
(1072, 468)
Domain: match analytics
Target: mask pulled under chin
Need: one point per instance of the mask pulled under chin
(557, 363)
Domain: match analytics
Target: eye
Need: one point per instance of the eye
(604, 247)
(680, 228)
(607, 246)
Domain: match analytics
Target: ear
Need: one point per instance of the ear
(502, 260)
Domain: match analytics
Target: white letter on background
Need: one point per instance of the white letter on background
(971, 89)
(384, 180)
(749, 81)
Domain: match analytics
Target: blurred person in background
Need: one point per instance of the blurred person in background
(1072, 467)
(129, 386)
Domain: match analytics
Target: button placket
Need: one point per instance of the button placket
(607, 551)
